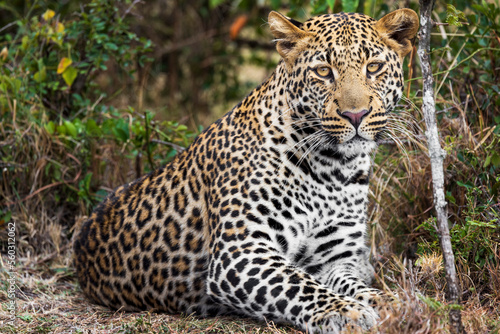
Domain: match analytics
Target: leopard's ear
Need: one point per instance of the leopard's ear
(398, 29)
(290, 38)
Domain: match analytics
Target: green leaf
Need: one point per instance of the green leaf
(487, 161)
(348, 6)
(215, 3)
(461, 184)
(120, 130)
(16, 83)
(50, 127)
(92, 128)
(495, 190)
(6, 217)
(171, 154)
(41, 75)
(24, 42)
(455, 17)
(78, 125)
(61, 129)
(70, 129)
(121, 134)
(84, 184)
(495, 159)
(111, 46)
(70, 75)
(450, 198)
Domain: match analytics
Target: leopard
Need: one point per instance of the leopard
(264, 215)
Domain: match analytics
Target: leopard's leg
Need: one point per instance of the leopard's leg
(251, 277)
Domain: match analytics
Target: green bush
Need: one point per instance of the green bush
(55, 125)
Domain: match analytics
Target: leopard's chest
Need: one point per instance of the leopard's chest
(325, 219)
(313, 213)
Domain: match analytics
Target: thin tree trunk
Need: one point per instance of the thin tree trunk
(437, 155)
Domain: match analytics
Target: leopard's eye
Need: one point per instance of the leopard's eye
(374, 67)
(324, 71)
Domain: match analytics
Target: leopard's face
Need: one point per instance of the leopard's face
(345, 74)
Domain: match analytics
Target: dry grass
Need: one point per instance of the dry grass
(50, 301)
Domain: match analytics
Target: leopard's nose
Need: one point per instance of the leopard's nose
(355, 118)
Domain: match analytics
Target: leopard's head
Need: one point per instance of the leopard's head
(344, 73)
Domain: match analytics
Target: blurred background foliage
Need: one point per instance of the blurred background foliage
(96, 93)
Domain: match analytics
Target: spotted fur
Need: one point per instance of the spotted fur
(264, 214)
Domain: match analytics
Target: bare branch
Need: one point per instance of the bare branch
(130, 8)
(176, 147)
(437, 155)
(447, 24)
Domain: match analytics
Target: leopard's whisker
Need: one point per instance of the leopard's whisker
(401, 148)
(297, 146)
(319, 140)
(305, 121)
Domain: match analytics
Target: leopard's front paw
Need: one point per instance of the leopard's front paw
(374, 298)
(336, 317)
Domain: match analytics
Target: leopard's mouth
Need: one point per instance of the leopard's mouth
(355, 139)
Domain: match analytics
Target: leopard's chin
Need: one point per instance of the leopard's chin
(354, 146)
(357, 145)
